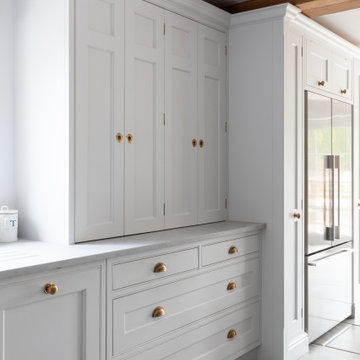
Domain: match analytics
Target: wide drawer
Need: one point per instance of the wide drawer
(143, 270)
(183, 302)
(210, 341)
(230, 249)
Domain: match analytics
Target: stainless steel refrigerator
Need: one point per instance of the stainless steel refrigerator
(328, 212)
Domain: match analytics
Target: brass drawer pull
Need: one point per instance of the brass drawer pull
(194, 142)
(201, 143)
(50, 289)
(321, 83)
(129, 138)
(343, 91)
(160, 268)
(232, 334)
(233, 250)
(231, 286)
(158, 312)
(119, 137)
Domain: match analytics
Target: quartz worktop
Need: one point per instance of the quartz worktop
(26, 256)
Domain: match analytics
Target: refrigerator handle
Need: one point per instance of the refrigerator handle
(337, 194)
(329, 200)
(330, 257)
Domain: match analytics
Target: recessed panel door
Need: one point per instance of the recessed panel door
(144, 111)
(212, 169)
(181, 140)
(341, 75)
(99, 119)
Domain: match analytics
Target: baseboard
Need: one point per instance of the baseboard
(298, 348)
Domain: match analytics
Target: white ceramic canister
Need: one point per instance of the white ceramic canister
(8, 224)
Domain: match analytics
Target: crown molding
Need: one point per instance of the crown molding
(293, 16)
(199, 11)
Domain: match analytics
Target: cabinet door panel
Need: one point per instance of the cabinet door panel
(212, 119)
(68, 325)
(144, 155)
(181, 121)
(342, 75)
(318, 66)
(99, 116)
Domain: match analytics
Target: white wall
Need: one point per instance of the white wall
(7, 12)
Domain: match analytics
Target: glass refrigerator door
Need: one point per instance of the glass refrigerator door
(342, 151)
(319, 214)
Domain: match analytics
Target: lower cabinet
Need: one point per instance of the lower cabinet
(57, 315)
(207, 311)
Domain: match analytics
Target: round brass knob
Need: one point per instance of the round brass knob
(201, 143)
(343, 91)
(321, 83)
(231, 334)
(359, 204)
(297, 216)
(119, 137)
(129, 138)
(194, 142)
(158, 312)
(50, 289)
(160, 268)
(231, 286)
(233, 250)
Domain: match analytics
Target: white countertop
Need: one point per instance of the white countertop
(26, 256)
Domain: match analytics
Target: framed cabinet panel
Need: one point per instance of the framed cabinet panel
(342, 76)
(212, 114)
(181, 141)
(66, 323)
(144, 111)
(99, 116)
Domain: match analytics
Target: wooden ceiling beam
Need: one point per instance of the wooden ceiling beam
(310, 8)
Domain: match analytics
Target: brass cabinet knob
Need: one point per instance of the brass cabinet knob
(233, 250)
(158, 312)
(119, 137)
(231, 286)
(160, 268)
(194, 142)
(359, 204)
(50, 289)
(343, 91)
(297, 216)
(201, 143)
(321, 83)
(129, 138)
(231, 334)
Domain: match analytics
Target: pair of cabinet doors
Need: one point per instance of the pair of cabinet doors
(150, 140)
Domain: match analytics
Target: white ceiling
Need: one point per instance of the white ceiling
(346, 24)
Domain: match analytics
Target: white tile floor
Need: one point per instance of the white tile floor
(342, 343)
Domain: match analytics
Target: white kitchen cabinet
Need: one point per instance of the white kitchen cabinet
(66, 325)
(99, 143)
(328, 69)
(212, 118)
(181, 126)
(318, 69)
(342, 76)
(144, 128)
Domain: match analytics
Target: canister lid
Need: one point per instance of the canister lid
(4, 210)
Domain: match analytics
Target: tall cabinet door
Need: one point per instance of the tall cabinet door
(181, 121)
(99, 117)
(144, 111)
(212, 121)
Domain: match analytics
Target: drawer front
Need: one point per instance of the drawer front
(183, 302)
(139, 271)
(227, 250)
(210, 342)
